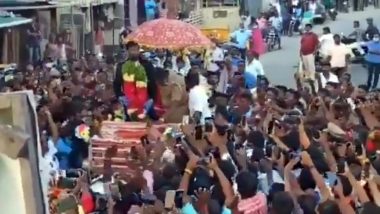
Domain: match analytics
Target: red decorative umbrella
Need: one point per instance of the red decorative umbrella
(169, 34)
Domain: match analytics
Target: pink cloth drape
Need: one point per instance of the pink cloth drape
(257, 42)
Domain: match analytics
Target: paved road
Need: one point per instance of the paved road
(279, 64)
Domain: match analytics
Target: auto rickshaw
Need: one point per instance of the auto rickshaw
(221, 34)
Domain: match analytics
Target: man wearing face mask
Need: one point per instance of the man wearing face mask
(241, 37)
(134, 82)
(373, 60)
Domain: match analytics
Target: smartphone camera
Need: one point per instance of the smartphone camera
(293, 155)
(238, 146)
(144, 140)
(215, 152)
(268, 150)
(359, 149)
(178, 199)
(198, 132)
(244, 121)
(208, 125)
(204, 161)
(341, 164)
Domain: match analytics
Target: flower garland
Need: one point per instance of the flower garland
(136, 69)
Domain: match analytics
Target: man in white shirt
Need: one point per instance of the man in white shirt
(276, 21)
(338, 56)
(181, 64)
(254, 65)
(326, 41)
(217, 55)
(246, 20)
(198, 98)
(313, 6)
(326, 76)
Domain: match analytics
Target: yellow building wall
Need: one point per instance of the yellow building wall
(231, 21)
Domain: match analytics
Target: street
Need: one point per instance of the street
(279, 65)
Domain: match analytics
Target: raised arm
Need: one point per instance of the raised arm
(342, 202)
(308, 162)
(304, 139)
(226, 185)
(291, 183)
(329, 155)
(53, 127)
(360, 192)
(191, 165)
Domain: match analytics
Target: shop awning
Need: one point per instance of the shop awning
(13, 21)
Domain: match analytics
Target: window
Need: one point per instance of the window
(219, 3)
(186, 6)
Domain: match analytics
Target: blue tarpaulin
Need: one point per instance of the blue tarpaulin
(9, 21)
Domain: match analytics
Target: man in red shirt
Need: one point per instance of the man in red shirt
(309, 46)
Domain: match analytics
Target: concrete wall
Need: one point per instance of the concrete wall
(11, 187)
(20, 184)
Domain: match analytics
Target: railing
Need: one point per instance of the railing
(195, 18)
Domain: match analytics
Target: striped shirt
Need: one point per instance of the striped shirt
(254, 205)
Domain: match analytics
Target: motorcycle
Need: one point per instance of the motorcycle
(272, 39)
(295, 25)
(358, 50)
(319, 14)
(314, 18)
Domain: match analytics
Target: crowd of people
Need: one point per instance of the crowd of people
(243, 144)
